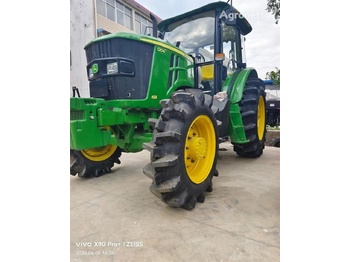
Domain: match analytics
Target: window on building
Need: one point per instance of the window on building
(101, 7)
(115, 11)
(142, 25)
(124, 15)
(110, 9)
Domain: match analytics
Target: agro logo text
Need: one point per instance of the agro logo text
(230, 16)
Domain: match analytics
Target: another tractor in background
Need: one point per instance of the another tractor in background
(272, 103)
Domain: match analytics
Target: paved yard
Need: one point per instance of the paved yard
(116, 218)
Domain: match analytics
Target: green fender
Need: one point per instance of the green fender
(234, 86)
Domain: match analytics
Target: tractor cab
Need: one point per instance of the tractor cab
(213, 36)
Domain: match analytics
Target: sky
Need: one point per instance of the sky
(262, 44)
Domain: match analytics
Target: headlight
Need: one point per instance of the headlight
(93, 70)
(112, 68)
(91, 74)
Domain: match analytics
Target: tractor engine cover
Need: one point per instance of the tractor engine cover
(119, 68)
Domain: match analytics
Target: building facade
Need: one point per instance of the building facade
(94, 18)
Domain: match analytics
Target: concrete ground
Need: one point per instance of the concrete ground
(116, 218)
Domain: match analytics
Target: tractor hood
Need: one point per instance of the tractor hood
(142, 38)
(131, 36)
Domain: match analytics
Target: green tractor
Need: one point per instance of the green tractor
(178, 95)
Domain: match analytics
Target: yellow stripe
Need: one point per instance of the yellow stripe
(168, 47)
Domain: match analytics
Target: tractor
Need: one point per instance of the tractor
(272, 103)
(178, 94)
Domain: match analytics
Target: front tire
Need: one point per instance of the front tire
(94, 162)
(253, 112)
(184, 150)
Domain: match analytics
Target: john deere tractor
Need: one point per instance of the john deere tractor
(177, 94)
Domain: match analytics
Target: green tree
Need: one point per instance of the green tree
(274, 76)
(273, 6)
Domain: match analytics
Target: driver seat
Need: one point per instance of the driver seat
(207, 72)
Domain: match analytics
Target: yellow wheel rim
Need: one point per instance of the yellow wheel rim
(99, 154)
(200, 149)
(261, 118)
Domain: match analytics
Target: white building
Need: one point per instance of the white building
(92, 18)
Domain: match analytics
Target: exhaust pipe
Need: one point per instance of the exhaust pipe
(154, 25)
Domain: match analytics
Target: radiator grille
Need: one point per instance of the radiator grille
(122, 87)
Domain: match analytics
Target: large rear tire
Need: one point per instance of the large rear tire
(184, 149)
(94, 162)
(253, 112)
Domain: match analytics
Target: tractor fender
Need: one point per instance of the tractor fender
(234, 84)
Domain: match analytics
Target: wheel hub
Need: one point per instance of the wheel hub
(261, 118)
(100, 153)
(198, 147)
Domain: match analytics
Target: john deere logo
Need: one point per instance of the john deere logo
(94, 68)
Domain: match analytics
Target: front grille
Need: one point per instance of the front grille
(122, 87)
